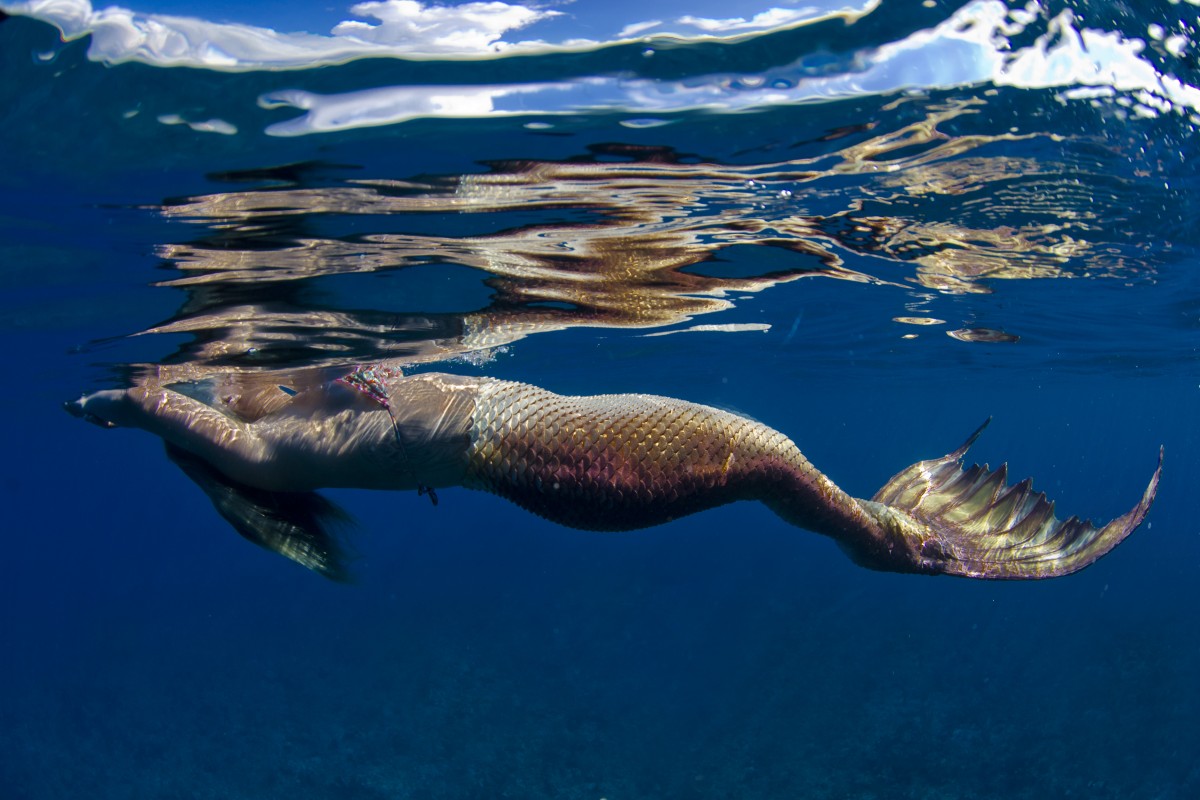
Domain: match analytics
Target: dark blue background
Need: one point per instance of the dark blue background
(150, 652)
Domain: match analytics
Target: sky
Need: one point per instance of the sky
(551, 20)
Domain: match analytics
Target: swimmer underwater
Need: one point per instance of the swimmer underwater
(260, 451)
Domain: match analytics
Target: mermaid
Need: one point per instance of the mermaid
(607, 462)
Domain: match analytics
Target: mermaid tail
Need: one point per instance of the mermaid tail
(969, 522)
(617, 462)
(605, 462)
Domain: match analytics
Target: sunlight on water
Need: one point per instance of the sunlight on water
(617, 236)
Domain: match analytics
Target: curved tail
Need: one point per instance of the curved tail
(969, 522)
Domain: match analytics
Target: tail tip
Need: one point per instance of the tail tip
(965, 446)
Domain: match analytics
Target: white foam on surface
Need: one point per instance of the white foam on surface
(971, 47)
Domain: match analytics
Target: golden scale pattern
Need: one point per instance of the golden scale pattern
(617, 462)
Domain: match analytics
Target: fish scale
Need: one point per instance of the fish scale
(616, 462)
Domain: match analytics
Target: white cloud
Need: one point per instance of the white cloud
(630, 31)
(473, 26)
(401, 28)
(406, 28)
(771, 18)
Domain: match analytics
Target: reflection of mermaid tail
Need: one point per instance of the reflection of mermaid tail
(608, 462)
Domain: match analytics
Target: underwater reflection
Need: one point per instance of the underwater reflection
(626, 236)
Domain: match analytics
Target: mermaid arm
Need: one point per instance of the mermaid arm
(302, 526)
(180, 419)
(200, 432)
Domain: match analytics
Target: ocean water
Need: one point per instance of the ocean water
(870, 227)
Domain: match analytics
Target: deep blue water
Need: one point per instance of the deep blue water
(149, 652)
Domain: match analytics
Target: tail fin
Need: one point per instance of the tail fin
(296, 525)
(969, 522)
